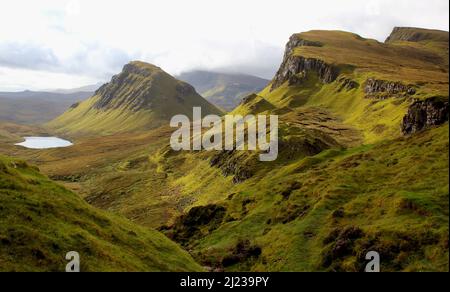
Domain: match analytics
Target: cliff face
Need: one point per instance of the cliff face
(425, 114)
(295, 68)
(382, 89)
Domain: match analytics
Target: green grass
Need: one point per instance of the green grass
(42, 221)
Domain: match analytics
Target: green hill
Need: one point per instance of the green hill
(368, 84)
(141, 97)
(224, 90)
(42, 221)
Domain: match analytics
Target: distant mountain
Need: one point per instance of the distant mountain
(142, 96)
(32, 107)
(87, 88)
(224, 90)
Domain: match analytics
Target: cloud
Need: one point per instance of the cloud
(95, 39)
(27, 56)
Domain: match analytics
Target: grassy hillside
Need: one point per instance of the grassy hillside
(141, 97)
(42, 221)
(225, 91)
(323, 212)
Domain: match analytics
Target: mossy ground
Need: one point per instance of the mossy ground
(42, 221)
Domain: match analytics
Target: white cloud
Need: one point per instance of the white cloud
(92, 38)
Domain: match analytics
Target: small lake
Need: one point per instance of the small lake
(44, 143)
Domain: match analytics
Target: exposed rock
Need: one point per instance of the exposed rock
(347, 84)
(75, 105)
(231, 164)
(295, 41)
(382, 89)
(295, 68)
(249, 98)
(425, 114)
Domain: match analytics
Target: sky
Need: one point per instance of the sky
(51, 44)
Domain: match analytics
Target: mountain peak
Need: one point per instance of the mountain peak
(414, 34)
(140, 67)
(142, 96)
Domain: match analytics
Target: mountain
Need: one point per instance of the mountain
(414, 34)
(368, 84)
(362, 165)
(32, 107)
(225, 91)
(42, 221)
(88, 88)
(142, 96)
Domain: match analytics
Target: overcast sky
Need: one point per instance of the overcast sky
(71, 43)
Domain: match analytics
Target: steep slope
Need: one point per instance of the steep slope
(41, 222)
(31, 107)
(327, 202)
(224, 90)
(325, 212)
(368, 84)
(141, 97)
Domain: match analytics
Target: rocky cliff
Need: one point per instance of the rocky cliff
(295, 68)
(425, 114)
(382, 89)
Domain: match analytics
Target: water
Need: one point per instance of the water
(44, 143)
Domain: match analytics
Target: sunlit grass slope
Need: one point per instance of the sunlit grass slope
(141, 97)
(327, 211)
(42, 221)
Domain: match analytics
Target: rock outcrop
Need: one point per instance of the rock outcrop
(425, 114)
(382, 89)
(231, 164)
(295, 69)
(347, 84)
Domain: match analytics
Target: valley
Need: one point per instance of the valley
(362, 165)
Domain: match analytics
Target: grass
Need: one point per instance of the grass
(395, 192)
(42, 221)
